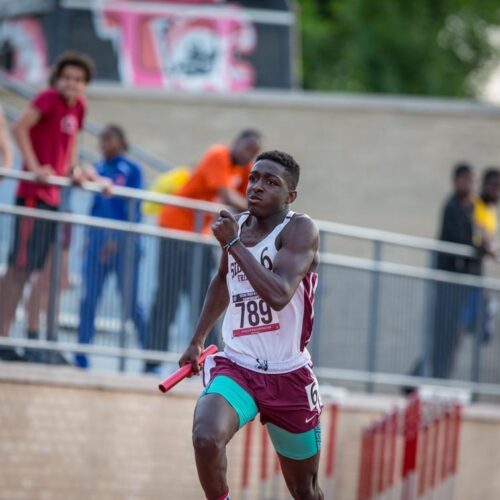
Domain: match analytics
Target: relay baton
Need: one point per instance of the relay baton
(186, 370)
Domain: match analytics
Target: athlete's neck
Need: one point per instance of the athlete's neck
(265, 225)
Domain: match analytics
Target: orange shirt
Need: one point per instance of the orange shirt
(214, 172)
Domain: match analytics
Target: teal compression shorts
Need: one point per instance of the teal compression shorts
(297, 446)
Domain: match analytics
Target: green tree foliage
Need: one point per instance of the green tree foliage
(429, 47)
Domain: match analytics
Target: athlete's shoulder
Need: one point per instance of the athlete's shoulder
(301, 227)
(303, 222)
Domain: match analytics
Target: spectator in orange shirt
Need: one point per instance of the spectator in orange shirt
(221, 176)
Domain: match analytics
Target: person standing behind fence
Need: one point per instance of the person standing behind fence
(485, 212)
(105, 249)
(169, 182)
(46, 136)
(221, 175)
(457, 226)
(486, 226)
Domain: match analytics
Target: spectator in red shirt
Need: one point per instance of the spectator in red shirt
(46, 135)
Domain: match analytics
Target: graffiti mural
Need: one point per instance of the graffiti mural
(178, 48)
(23, 49)
(199, 45)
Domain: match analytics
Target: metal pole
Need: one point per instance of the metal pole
(128, 267)
(476, 350)
(429, 319)
(55, 273)
(318, 304)
(371, 353)
(196, 270)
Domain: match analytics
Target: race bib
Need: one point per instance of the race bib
(313, 396)
(252, 315)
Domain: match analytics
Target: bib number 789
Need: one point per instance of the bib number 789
(254, 313)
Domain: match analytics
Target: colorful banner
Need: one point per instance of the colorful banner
(198, 45)
(178, 50)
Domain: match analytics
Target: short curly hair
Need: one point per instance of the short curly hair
(72, 58)
(287, 162)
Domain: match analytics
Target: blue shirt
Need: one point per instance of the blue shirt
(122, 172)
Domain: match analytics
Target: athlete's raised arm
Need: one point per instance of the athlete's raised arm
(297, 255)
(216, 301)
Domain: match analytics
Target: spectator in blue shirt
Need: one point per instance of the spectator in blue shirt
(105, 249)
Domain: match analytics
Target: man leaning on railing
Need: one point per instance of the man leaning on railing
(46, 137)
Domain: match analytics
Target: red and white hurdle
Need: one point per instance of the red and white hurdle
(271, 485)
(412, 453)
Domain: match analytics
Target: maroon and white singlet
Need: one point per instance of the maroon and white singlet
(256, 336)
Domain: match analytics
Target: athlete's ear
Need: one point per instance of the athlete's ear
(292, 196)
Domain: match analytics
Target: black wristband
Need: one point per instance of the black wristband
(228, 245)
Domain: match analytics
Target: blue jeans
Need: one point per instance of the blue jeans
(95, 272)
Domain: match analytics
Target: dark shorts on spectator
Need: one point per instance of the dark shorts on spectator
(32, 237)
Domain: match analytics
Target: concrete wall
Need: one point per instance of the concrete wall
(70, 435)
(374, 162)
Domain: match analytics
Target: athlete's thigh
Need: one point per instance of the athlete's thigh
(214, 416)
(300, 475)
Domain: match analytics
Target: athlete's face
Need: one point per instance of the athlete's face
(268, 191)
(71, 83)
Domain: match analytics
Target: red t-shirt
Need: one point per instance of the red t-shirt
(52, 139)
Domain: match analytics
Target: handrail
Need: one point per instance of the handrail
(397, 239)
(334, 228)
(409, 271)
(384, 267)
(92, 128)
(109, 224)
(136, 194)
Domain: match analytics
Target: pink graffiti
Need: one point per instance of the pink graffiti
(169, 47)
(27, 41)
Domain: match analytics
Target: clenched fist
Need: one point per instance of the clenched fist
(225, 228)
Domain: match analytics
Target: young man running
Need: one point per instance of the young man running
(266, 281)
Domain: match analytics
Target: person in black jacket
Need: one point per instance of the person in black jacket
(457, 226)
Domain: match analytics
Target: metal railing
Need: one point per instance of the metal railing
(375, 319)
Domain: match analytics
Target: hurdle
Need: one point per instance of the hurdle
(423, 437)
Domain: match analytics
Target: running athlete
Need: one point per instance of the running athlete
(266, 283)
